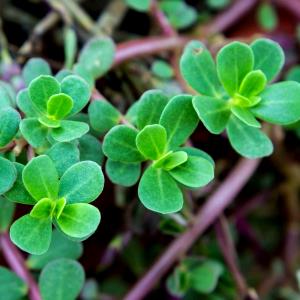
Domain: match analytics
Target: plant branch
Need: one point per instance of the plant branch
(207, 215)
(145, 46)
(17, 264)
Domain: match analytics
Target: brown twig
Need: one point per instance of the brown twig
(17, 264)
(206, 216)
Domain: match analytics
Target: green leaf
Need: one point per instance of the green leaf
(79, 220)
(171, 160)
(61, 279)
(62, 74)
(151, 141)
(7, 95)
(18, 193)
(125, 174)
(195, 172)
(59, 106)
(34, 132)
(253, 84)
(198, 69)
(11, 286)
(218, 4)
(204, 278)
(63, 155)
(8, 175)
(248, 141)
(60, 247)
(70, 46)
(40, 178)
(280, 103)
(197, 152)
(245, 115)
(179, 14)
(293, 74)
(41, 89)
(34, 68)
(82, 182)
(31, 234)
(82, 71)
(162, 69)
(139, 5)
(90, 149)
(49, 122)
(234, 62)
(267, 16)
(77, 88)
(9, 125)
(103, 116)
(43, 209)
(69, 131)
(178, 283)
(25, 104)
(268, 57)
(150, 107)
(97, 56)
(119, 144)
(179, 119)
(7, 210)
(213, 112)
(159, 192)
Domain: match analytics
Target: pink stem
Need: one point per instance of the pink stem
(17, 264)
(207, 215)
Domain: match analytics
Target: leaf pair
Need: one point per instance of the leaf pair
(193, 274)
(127, 147)
(234, 92)
(47, 103)
(63, 201)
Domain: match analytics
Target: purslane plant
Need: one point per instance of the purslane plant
(47, 104)
(59, 200)
(162, 128)
(237, 91)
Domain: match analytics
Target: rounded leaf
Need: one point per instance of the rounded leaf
(253, 84)
(32, 235)
(152, 141)
(9, 125)
(179, 119)
(97, 56)
(198, 69)
(234, 62)
(150, 107)
(75, 87)
(8, 175)
(35, 67)
(248, 141)
(90, 149)
(103, 116)
(59, 106)
(41, 89)
(280, 103)
(268, 57)
(41, 178)
(79, 220)
(82, 182)
(159, 192)
(119, 144)
(125, 174)
(25, 104)
(61, 279)
(195, 172)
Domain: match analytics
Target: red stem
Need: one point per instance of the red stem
(145, 46)
(17, 264)
(207, 215)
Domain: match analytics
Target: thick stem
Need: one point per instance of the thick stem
(17, 264)
(145, 46)
(206, 216)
